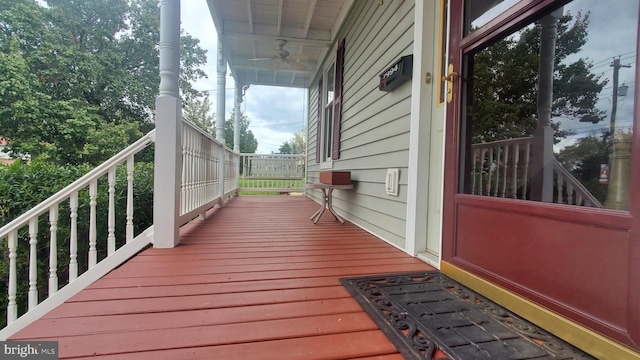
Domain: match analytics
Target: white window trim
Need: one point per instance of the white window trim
(326, 162)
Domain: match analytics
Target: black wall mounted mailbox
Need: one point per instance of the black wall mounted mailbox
(396, 74)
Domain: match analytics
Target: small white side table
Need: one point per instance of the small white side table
(327, 203)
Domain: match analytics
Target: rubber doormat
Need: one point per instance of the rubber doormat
(423, 312)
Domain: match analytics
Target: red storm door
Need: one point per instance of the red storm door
(542, 180)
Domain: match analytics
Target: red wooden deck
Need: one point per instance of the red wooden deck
(256, 280)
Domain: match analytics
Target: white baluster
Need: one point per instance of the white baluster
(482, 161)
(525, 173)
(53, 250)
(505, 170)
(569, 193)
(514, 178)
(93, 194)
(12, 307)
(496, 159)
(474, 171)
(111, 216)
(33, 262)
(129, 224)
(73, 238)
(560, 185)
(183, 190)
(189, 182)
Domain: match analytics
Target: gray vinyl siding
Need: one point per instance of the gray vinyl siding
(375, 124)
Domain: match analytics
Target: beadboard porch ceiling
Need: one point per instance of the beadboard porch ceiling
(254, 29)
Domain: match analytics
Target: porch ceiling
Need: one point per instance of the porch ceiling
(253, 29)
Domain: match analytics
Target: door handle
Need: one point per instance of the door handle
(449, 78)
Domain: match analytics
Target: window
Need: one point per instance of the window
(327, 119)
(547, 120)
(330, 110)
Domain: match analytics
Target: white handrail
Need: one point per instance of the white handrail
(573, 185)
(210, 174)
(79, 184)
(51, 205)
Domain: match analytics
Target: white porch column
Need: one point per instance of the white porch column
(236, 127)
(542, 164)
(220, 114)
(420, 174)
(168, 148)
(236, 118)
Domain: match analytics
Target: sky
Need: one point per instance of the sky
(275, 113)
(611, 34)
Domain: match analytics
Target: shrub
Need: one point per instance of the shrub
(23, 186)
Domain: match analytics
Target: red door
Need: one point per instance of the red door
(542, 180)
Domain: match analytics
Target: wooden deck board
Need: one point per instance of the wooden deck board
(328, 347)
(256, 280)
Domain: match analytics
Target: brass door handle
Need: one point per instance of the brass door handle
(449, 78)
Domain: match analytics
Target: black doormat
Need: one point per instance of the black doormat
(423, 312)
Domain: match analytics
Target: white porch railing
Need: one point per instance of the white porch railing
(203, 186)
(272, 172)
(503, 169)
(25, 228)
(204, 159)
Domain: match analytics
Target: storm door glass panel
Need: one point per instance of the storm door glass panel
(479, 12)
(548, 110)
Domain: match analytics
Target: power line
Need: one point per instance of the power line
(279, 124)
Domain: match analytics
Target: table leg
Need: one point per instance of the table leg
(319, 213)
(330, 205)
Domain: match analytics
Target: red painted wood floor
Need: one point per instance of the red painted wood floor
(256, 280)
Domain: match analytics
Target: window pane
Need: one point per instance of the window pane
(542, 105)
(328, 129)
(331, 72)
(479, 12)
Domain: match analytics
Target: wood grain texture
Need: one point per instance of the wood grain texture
(255, 280)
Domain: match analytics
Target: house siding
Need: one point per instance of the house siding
(375, 124)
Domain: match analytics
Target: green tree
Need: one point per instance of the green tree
(59, 130)
(198, 111)
(285, 148)
(505, 77)
(248, 142)
(88, 69)
(295, 145)
(583, 160)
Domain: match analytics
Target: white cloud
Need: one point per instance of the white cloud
(275, 113)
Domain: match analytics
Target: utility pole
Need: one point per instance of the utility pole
(620, 156)
(616, 68)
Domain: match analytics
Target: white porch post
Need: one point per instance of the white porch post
(168, 149)
(220, 114)
(236, 129)
(236, 119)
(419, 174)
(542, 164)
